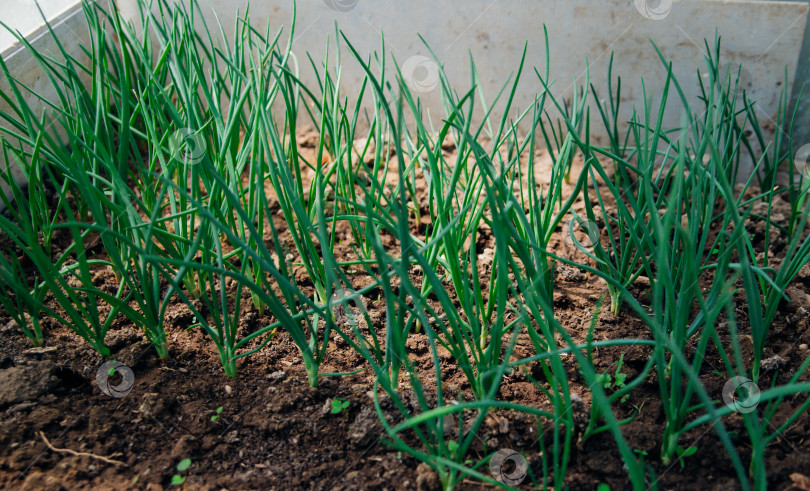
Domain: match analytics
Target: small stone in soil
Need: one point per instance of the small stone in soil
(772, 363)
(426, 478)
(276, 375)
(23, 383)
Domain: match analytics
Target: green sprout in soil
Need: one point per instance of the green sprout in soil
(617, 381)
(339, 405)
(182, 467)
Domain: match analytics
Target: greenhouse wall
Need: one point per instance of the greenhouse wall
(767, 38)
(25, 17)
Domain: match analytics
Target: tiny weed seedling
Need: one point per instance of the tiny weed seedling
(617, 381)
(619, 377)
(604, 380)
(340, 405)
(216, 416)
(180, 478)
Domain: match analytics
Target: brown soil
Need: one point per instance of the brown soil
(275, 432)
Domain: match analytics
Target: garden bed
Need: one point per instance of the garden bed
(276, 432)
(202, 293)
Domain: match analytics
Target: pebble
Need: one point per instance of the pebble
(327, 407)
(642, 282)
(228, 389)
(772, 363)
(426, 478)
(276, 375)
